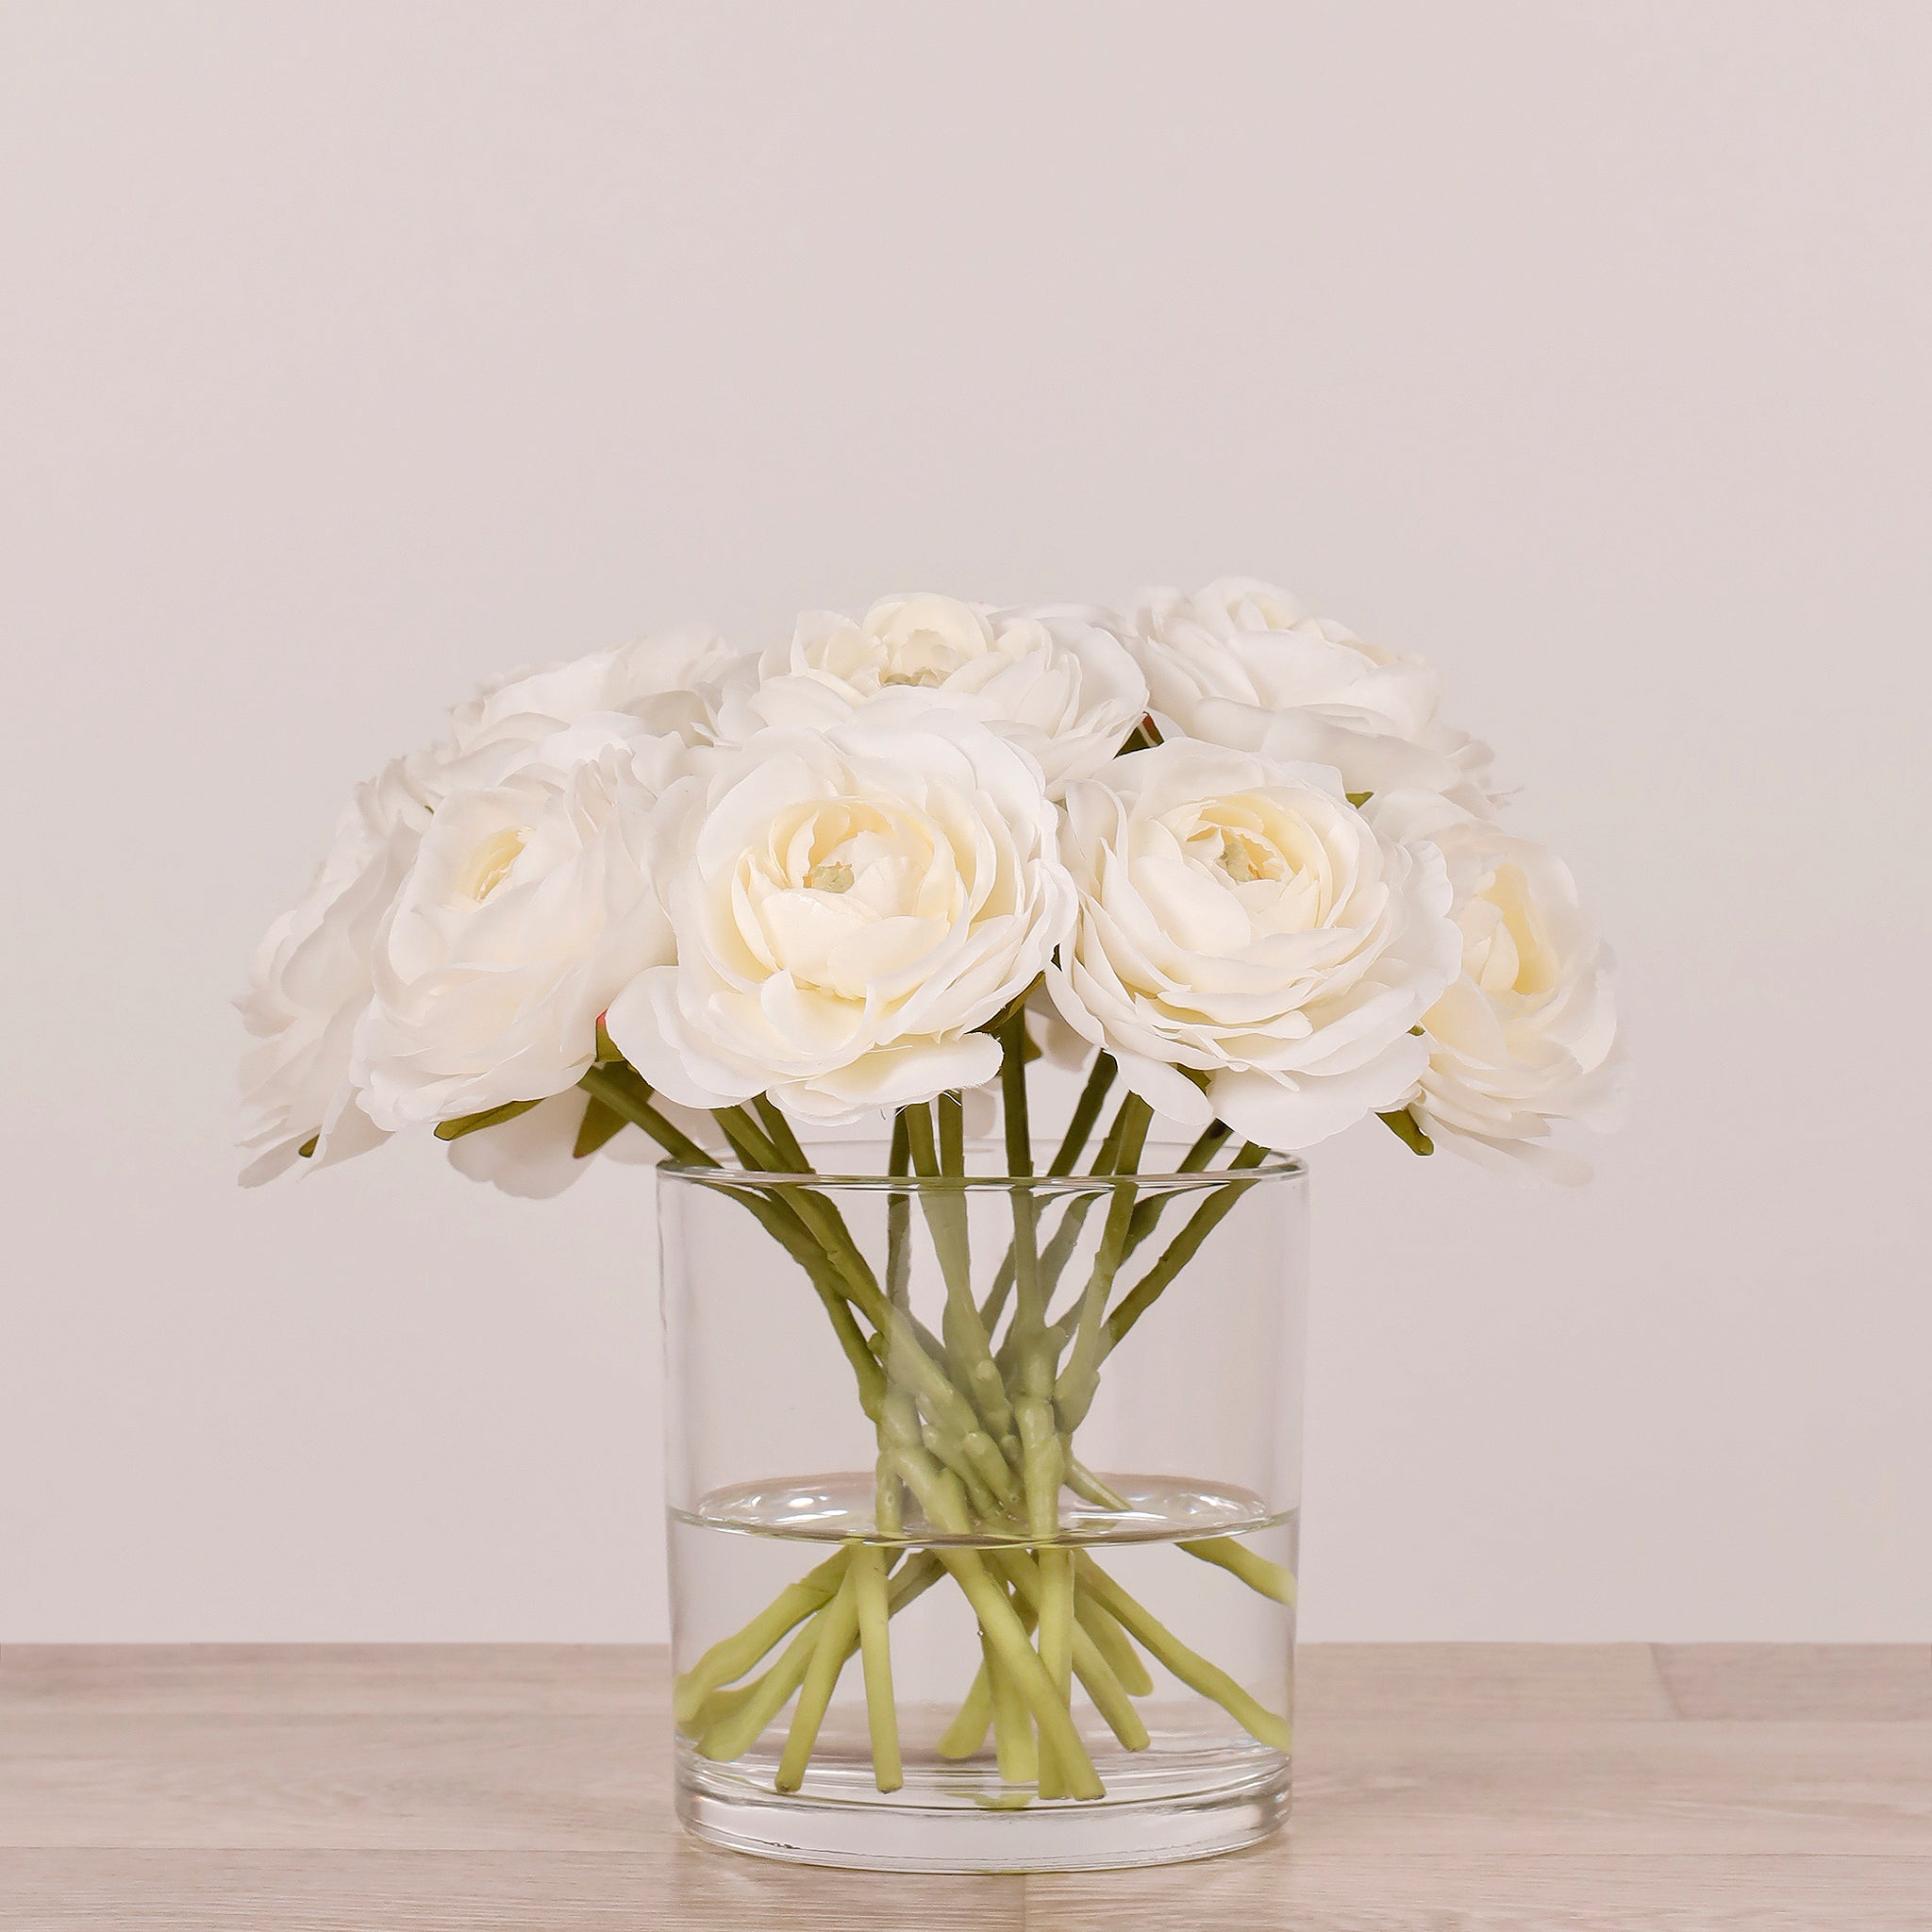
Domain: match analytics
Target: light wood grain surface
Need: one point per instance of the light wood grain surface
(525, 1789)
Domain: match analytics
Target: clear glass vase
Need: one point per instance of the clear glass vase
(983, 1501)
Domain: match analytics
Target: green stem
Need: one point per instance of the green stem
(1270, 1579)
(799, 1217)
(1181, 1250)
(881, 1714)
(950, 1109)
(940, 1493)
(898, 1218)
(731, 1657)
(967, 1732)
(1074, 1392)
(619, 1087)
(778, 1132)
(1086, 1112)
(736, 1731)
(749, 1141)
(1013, 1117)
(1058, 1250)
(783, 1228)
(838, 1629)
(1115, 1649)
(623, 1091)
(1194, 1669)
(1012, 1728)
(1033, 1407)
(1092, 1659)
(945, 1216)
(1000, 1622)
(1200, 1156)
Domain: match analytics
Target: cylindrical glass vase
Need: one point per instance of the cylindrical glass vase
(983, 1499)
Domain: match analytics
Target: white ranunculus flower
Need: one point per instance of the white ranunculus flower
(849, 906)
(1241, 922)
(309, 985)
(655, 687)
(1526, 1035)
(529, 903)
(1242, 664)
(666, 683)
(1057, 681)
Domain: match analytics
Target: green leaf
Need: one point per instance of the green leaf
(600, 1124)
(490, 1117)
(1402, 1124)
(1143, 736)
(307, 1148)
(1359, 799)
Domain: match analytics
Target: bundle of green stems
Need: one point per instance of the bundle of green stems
(975, 1431)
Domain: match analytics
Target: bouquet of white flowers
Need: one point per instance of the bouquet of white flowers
(1219, 854)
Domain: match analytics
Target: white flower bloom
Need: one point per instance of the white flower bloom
(849, 906)
(1242, 664)
(309, 985)
(1526, 1035)
(1241, 922)
(666, 684)
(530, 904)
(656, 687)
(1057, 681)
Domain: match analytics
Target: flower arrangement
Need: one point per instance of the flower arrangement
(1222, 858)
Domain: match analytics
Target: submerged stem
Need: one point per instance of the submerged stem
(1269, 1580)
(1000, 1622)
(731, 1657)
(875, 1656)
(967, 1732)
(837, 1629)
(1012, 1730)
(1099, 1651)
(1192, 1669)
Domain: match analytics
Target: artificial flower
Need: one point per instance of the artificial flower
(1525, 1036)
(1057, 681)
(1240, 663)
(311, 983)
(848, 908)
(1250, 946)
(531, 902)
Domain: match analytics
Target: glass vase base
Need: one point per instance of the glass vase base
(1154, 1814)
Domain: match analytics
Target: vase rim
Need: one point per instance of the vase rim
(1274, 1167)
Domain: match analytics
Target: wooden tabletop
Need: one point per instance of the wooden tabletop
(1436, 1787)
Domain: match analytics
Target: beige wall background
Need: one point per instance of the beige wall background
(351, 352)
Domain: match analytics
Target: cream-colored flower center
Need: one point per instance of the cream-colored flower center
(925, 642)
(490, 864)
(1244, 857)
(1504, 946)
(845, 894)
(1249, 867)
